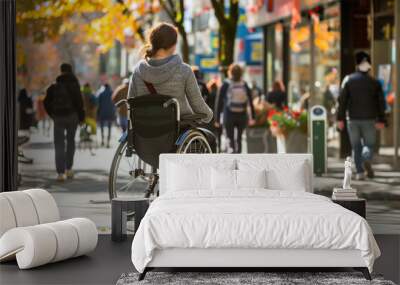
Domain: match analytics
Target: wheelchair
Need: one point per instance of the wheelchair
(155, 126)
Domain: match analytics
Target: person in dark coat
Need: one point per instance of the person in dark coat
(200, 82)
(105, 111)
(25, 110)
(362, 104)
(277, 96)
(64, 105)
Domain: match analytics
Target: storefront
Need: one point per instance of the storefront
(303, 52)
(384, 58)
(310, 45)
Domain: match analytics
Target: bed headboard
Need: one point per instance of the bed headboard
(204, 159)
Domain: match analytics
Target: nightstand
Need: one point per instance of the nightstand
(357, 205)
(120, 209)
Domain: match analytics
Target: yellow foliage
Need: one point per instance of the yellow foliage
(323, 36)
(99, 21)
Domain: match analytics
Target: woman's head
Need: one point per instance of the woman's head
(212, 85)
(66, 68)
(162, 37)
(235, 72)
(23, 92)
(278, 86)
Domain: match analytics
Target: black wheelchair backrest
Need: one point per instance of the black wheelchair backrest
(154, 126)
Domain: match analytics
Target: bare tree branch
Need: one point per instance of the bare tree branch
(182, 11)
(233, 12)
(169, 10)
(219, 11)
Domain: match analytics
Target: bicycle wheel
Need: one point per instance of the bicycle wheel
(129, 176)
(195, 142)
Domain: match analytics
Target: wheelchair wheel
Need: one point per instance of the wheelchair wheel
(129, 176)
(195, 142)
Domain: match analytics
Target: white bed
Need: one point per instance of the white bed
(208, 222)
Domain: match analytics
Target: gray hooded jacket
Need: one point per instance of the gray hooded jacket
(170, 76)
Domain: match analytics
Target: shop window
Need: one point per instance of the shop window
(300, 61)
(327, 64)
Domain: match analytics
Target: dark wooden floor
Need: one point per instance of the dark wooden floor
(103, 266)
(110, 260)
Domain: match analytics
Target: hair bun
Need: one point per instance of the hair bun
(162, 36)
(148, 51)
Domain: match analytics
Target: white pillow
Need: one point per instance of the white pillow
(251, 178)
(223, 179)
(282, 174)
(295, 180)
(187, 175)
(226, 179)
(182, 177)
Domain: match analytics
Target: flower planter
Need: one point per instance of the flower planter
(296, 142)
(260, 140)
(269, 142)
(254, 138)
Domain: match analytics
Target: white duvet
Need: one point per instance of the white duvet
(256, 218)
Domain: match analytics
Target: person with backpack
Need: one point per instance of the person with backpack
(164, 71)
(233, 101)
(64, 105)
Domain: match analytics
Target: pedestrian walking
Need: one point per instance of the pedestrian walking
(26, 113)
(200, 81)
(89, 128)
(256, 92)
(362, 105)
(120, 93)
(105, 112)
(41, 115)
(165, 71)
(233, 100)
(212, 87)
(90, 105)
(64, 105)
(277, 96)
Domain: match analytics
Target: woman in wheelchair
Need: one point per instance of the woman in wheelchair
(166, 108)
(162, 71)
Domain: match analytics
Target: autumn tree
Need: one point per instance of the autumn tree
(175, 9)
(99, 21)
(227, 14)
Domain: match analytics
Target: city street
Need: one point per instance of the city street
(87, 194)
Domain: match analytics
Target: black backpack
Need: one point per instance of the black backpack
(61, 101)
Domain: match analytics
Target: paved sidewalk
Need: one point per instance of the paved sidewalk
(87, 195)
(382, 194)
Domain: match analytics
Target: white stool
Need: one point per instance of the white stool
(31, 232)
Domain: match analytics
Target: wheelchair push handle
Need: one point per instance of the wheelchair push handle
(121, 102)
(178, 110)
